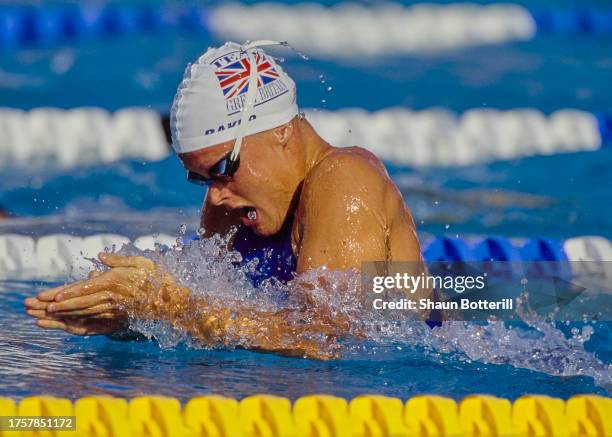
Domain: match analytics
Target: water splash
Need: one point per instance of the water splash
(211, 272)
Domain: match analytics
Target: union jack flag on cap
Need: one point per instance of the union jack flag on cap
(234, 77)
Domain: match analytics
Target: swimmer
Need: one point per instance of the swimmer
(238, 131)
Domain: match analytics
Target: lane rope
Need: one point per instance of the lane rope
(66, 255)
(432, 137)
(323, 31)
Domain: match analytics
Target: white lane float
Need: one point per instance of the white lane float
(350, 29)
(67, 138)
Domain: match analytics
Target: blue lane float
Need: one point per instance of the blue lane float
(493, 249)
(573, 21)
(11, 27)
(23, 26)
(604, 121)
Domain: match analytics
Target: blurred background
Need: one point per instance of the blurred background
(494, 119)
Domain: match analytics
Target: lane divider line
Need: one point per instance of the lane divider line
(66, 255)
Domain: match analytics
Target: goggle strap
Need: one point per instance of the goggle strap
(249, 102)
(247, 108)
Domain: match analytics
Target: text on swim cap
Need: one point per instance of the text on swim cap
(264, 94)
(228, 125)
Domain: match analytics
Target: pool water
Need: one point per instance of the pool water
(559, 196)
(35, 362)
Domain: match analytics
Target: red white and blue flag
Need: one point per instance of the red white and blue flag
(234, 77)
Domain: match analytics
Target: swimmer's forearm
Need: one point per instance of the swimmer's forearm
(262, 330)
(265, 331)
(273, 332)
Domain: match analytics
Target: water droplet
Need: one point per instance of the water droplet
(329, 88)
(436, 203)
(297, 52)
(182, 229)
(446, 226)
(323, 101)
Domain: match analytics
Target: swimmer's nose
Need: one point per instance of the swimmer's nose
(219, 195)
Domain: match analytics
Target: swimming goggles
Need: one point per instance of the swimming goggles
(222, 170)
(225, 168)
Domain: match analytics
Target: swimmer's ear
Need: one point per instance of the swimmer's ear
(283, 133)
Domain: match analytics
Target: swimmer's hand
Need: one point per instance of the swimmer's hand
(37, 307)
(98, 305)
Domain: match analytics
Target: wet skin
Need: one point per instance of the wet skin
(342, 207)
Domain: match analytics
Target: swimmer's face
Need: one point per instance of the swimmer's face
(263, 187)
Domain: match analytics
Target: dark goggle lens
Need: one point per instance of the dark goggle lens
(219, 168)
(223, 170)
(196, 178)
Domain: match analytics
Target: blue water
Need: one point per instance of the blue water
(557, 196)
(33, 362)
(145, 71)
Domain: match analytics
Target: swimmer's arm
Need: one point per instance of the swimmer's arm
(243, 327)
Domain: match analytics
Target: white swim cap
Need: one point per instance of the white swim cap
(215, 103)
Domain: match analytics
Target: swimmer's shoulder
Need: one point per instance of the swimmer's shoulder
(353, 171)
(352, 166)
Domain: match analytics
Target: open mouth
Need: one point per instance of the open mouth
(249, 216)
